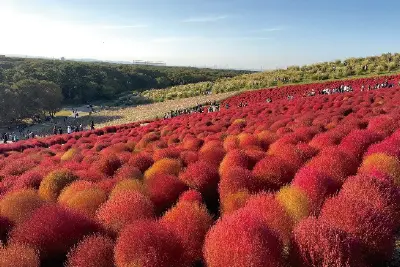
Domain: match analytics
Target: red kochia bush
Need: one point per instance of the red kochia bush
(128, 171)
(315, 243)
(53, 230)
(372, 227)
(334, 163)
(202, 177)
(92, 251)
(273, 213)
(108, 164)
(148, 244)
(358, 141)
(191, 196)
(316, 185)
(274, 171)
(164, 190)
(238, 179)
(235, 158)
(378, 193)
(241, 239)
(124, 208)
(30, 179)
(190, 222)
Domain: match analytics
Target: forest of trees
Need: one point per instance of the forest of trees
(352, 67)
(83, 82)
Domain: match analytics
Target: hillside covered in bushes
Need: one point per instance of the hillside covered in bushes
(339, 69)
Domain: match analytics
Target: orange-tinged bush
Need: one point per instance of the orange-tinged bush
(316, 243)
(233, 201)
(266, 138)
(246, 139)
(295, 201)
(128, 185)
(274, 171)
(316, 185)
(70, 154)
(19, 206)
(54, 182)
(273, 213)
(87, 201)
(383, 163)
(241, 239)
(190, 222)
(123, 209)
(231, 142)
(233, 158)
(19, 255)
(164, 166)
(164, 190)
(53, 230)
(148, 244)
(92, 251)
(192, 143)
(72, 189)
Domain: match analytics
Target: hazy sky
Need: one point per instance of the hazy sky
(226, 33)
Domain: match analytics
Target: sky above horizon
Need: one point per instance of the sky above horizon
(244, 34)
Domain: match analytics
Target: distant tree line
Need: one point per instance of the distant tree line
(82, 82)
(29, 99)
(351, 67)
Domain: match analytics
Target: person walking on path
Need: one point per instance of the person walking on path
(92, 125)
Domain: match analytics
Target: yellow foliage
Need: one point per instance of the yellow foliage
(383, 163)
(294, 201)
(164, 166)
(127, 185)
(54, 182)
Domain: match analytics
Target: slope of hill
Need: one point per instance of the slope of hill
(349, 68)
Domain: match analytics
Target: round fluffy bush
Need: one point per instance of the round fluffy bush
(142, 161)
(202, 177)
(212, 155)
(383, 163)
(128, 185)
(19, 206)
(18, 255)
(358, 141)
(128, 172)
(191, 196)
(30, 179)
(70, 154)
(316, 243)
(164, 190)
(233, 158)
(266, 138)
(334, 163)
(92, 251)
(72, 189)
(241, 239)
(274, 171)
(190, 222)
(108, 164)
(273, 213)
(53, 230)
(295, 201)
(372, 227)
(87, 201)
(123, 209)
(54, 182)
(375, 192)
(316, 185)
(238, 179)
(231, 142)
(148, 244)
(233, 201)
(164, 166)
(172, 153)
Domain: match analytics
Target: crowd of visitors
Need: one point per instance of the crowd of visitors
(201, 108)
